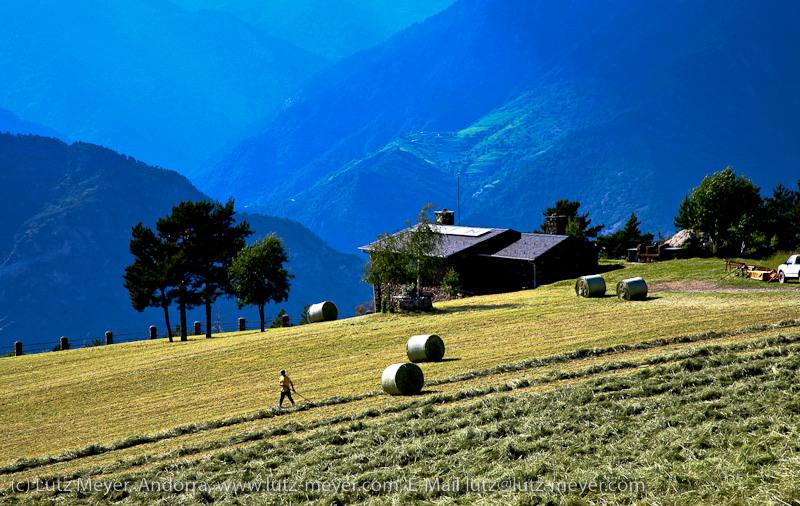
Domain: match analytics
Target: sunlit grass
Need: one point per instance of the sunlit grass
(157, 401)
(148, 386)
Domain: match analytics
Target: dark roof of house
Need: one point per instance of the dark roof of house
(495, 242)
(490, 240)
(530, 246)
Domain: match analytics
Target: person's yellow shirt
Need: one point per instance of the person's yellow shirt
(285, 383)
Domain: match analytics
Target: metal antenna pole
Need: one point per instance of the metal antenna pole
(458, 195)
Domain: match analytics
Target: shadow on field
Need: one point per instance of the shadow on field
(471, 307)
(608, 268)
(449, 359)
(613, 296)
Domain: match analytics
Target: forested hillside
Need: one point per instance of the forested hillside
(67, 213)
(621, 105)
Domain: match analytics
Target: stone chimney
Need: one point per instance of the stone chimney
(445, 217)
(555, 225)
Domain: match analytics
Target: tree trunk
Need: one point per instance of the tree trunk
(208, 317)
(261, 314)
(419, 277)
(182, 306)
(166, 314)
(184, 334)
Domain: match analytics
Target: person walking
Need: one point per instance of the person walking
(287, 387)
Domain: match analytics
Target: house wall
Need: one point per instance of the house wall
(484, 274)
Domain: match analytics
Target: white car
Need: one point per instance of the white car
(791, 269)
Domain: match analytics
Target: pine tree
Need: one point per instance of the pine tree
(201, 240)
(148, 278)
(577, 224)
(216, 241)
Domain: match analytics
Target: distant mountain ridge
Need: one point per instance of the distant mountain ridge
(11, 123)
(332, 30)
(622, 105)
(145, 78)
(67, 215)
(173, 81)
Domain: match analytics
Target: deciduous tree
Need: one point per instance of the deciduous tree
(726, 206)
(412, 254)
(258, 275)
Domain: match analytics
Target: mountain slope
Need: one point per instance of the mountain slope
(143, 77)
(437, 75)
(332, 30)
(67, 217)
(624, 106)
(345, 205)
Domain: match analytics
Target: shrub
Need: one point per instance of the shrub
(408, 290)
(304, 315)
(365, 308)
(278, 321)
(452, 283)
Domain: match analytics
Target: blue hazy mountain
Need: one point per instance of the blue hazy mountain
(623, 105)
(143, 77)
(332, 30)
(11, 123)
(67, 213)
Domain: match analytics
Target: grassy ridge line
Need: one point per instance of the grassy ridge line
(415, 417)
(96, 449)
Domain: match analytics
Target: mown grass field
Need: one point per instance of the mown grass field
(692, 393)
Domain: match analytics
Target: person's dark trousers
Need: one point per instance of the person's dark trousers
(285, 395)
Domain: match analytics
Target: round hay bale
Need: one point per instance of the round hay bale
(590, 286)
(632, 289)
(322, 312)
(402, 379)
(425, 348)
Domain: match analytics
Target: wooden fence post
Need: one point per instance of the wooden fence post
(197, 328)
(153, 332)
(64, 344)
(285, 320)
(109, 337)
(18, 349)
(241, 324)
